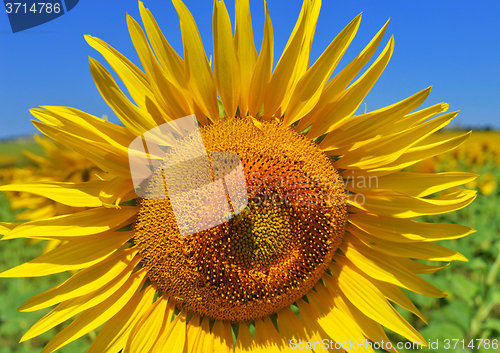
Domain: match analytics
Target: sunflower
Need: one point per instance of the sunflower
(325, 265)
(59, 164)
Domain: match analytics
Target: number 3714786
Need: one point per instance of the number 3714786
(40, 7)
(474, 343)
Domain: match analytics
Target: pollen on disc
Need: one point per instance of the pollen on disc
(269, 255)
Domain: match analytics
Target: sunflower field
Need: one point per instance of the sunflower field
(472, 308)
(470, 313)
(24, 160)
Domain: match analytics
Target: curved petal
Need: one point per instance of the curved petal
(170, 61)
(310, 86)
(402, 206)
(245, 48)
(70, 194)
(284, 75)
(375, 124)
(353, 96)
(113, 336)
(70, 308)
(65, 227)
(263, 68)
(170, 98)
(94, 317)
(365, 296)
(386, 269)
(83, 282)
(198, 73)
(74, 255)
(333, 89)
(226, 64)
(148, 330)
(406, 230)
(412, 184)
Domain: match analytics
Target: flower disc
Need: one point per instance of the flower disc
(270, 254)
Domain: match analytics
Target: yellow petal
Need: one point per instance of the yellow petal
(223, 337)
(45, 211)
(226, 64)
(369, 300)
(170, 61)
(315, 333)
(244, 341)
(81, 283)
(387, 149)
(113, 336)
(51, 245)
(413, 184)
(333, 89)
(310, 86)
(405, 230)
(303, 11)
(419, 153)
(291, 328)
(71, 194)
(305, 51)
(134, 79)
(373, 124)
(193, 332)
(267, 338)
(93, 221)
(137, 120)
(204, 340)
(420, 268)
(73, 255)
(263, 68)
(245, 48)
(87, 126)
(6, 227)
(39, 160)
(198, 72)
(402, 206)
(102, 154)
(335, 322)
(31, 202)
(283, 77)
(420, 116)
(170, 98)
(147, 331)
(173, 335)
(71, 307)
(388, 269)
(116, 191)
(370, 328)
(354, 95)
(396, 295)
(94, 317)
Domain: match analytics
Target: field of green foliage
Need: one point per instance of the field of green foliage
(467, 320)
(15, 291)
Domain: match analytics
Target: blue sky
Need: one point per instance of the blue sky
(452, 45)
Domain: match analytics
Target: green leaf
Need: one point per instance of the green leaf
(478, 264)
(463, 287)
(222, 112)
(458, 312)
(492, 324)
